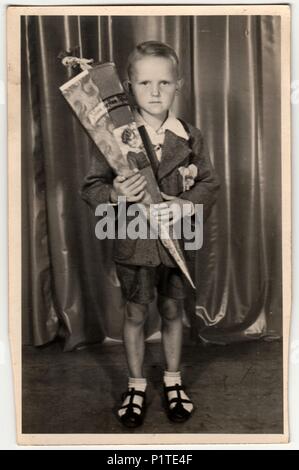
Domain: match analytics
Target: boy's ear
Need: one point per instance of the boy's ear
(179, 85)
(127, 86)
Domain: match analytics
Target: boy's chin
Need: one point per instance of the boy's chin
(155, 111)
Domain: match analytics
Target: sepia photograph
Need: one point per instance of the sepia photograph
(149, 223)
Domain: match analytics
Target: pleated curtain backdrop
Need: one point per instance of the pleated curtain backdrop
(231, 68)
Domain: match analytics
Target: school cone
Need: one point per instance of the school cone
(174, 249)
(97, 97)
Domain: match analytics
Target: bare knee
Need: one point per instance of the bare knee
(136, 314)
(169, 309)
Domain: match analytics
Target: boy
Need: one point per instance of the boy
(143, 265)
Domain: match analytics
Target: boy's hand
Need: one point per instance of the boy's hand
(132, 187)
(172, 210)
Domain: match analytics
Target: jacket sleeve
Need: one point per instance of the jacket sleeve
(97, 184)
(207, 184)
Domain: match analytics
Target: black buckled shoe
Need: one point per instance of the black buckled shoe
(177, 413)
(130, 418)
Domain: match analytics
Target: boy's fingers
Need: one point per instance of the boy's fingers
(139, 188)
(136, 198)
(133, 179)
(163, 216)
(167, 197)
(134, 173)
(136, 187)
(161, 205)
(168, 223)
(163, 210)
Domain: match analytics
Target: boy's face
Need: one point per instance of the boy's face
(154, 82)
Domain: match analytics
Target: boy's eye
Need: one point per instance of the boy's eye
(147, 82)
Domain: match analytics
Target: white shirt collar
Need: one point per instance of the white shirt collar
(171, 123)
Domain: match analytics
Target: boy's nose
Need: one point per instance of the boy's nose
(155, 90)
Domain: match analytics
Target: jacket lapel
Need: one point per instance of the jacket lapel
(174, 151)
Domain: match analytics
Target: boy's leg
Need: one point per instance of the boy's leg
(170, 304)
(138, 289)
(133, 335)
(172, 331)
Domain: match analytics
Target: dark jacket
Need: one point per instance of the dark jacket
(176, 152)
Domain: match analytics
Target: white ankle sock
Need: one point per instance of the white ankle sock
(140, 385)
(171, 379)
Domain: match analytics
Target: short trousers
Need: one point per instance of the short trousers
(139, 283)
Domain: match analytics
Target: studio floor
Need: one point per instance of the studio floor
(236, 389)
